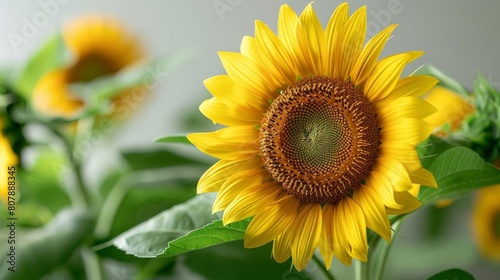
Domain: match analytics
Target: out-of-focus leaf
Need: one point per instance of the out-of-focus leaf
(452, 274)
(151, 238)
(41, 187)
(156, 179)
(232, 260)
(44, 249)
(145, 197)
(444, 80)
(157, 158)
(458, 171)
(182, 139)
(212, 234)
(52, 55)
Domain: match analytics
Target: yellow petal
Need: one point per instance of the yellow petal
(395, 172)
(287, 33)
(217, 174)
(403, 152)
(415, 86)
(484, 219)
(325, 244)
(304, 234)
(281, 247)
(248, 74)
(249, 48)
(332, 33)
(369, 55)
(52, 97)
(385, 75)
(230, 143)
(452, 108)
(408, 201)
(384, 188)
(352, 238)
(374, 211)
(233, 186)
(414, 190)
(272, 221)
(350, 42)
(226, 90)
(251, 200)
(404, 107)
(312, 42)
(410, 130)
(7, 158)
(219, 112)
(423, 177)
(275, 56)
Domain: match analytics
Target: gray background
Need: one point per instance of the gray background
(460, 37)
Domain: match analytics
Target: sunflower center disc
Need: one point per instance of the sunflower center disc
(319, 139)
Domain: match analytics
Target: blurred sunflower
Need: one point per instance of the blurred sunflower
(486, 221)
(101, 46)
(321, 137)
(8, 158)
(453, 109)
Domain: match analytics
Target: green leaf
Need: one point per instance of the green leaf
(151, 238)
(212, 234)
(49, 196)
(154, 180)
(431, 148)
(182, 139)
(152, 158)
(143, 194)
(458, 171)
(44, 249)
(452, 274)
(232, 260)
(52, 55)
(444, 80)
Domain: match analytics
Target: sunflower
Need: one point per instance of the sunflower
(452, 109)
(7, 159)
(486, 221)
(321, 136)
(101, 46)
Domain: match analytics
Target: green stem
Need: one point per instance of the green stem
(380, 251)
(93, 268)
(360, 270)
(110, 207)
(383, 253)
(79, 196)
(322, 267)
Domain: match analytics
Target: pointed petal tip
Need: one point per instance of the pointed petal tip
(250, 243)
(414, 55)
(226, 220)
(300, 264)
(215, 209)
(259, 24)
